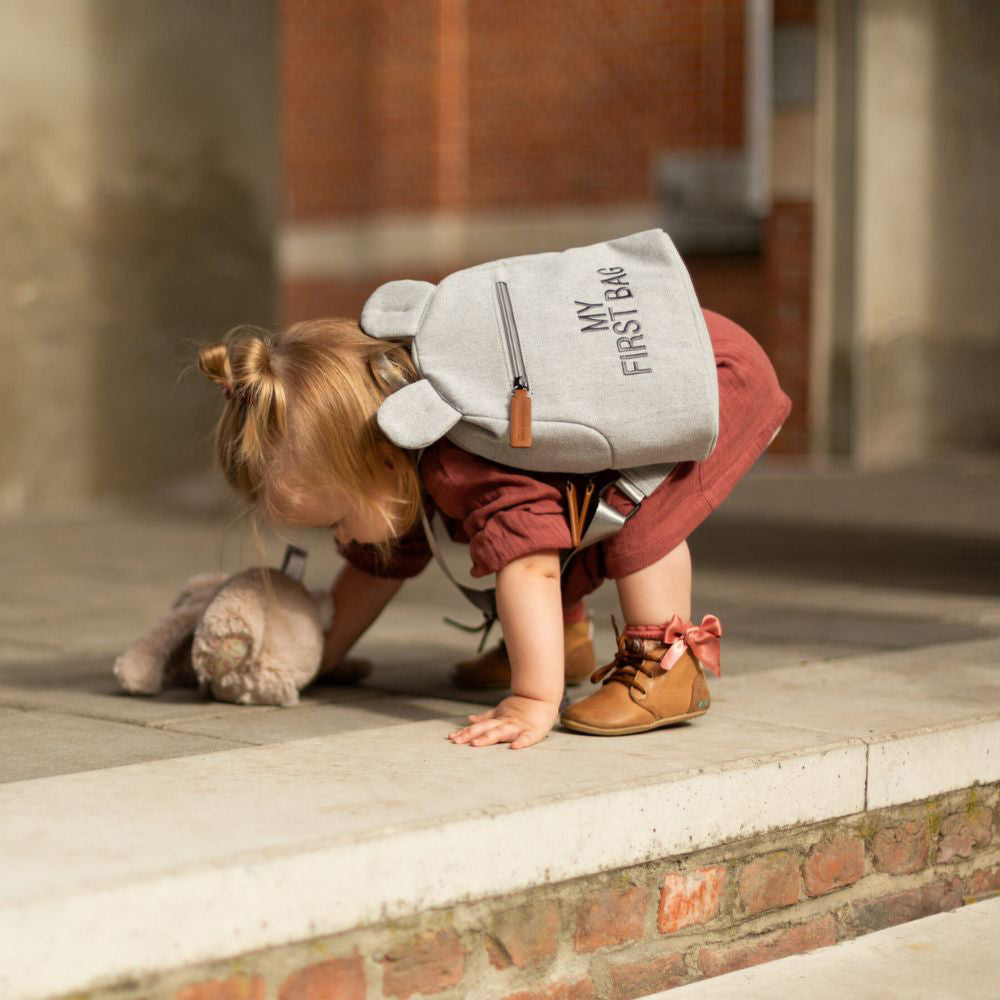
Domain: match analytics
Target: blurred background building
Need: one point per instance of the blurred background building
(169, 170)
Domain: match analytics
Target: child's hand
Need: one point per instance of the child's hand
(333, 653)
(336, 668)
(521, 722)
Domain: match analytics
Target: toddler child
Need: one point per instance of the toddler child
(298, 439)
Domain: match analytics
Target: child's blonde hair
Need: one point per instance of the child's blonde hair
(300, 416)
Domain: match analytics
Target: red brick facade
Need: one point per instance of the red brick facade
(476, 105)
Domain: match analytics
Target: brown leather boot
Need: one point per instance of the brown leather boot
(492, 669)
(638, 693)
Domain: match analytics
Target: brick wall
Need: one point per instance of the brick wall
(358, 106)
(571, 102)
(638, 930)
(565, 102)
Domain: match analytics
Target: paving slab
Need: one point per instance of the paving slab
(86, 688)
(304, 721)
(413, 650)
(20, 651)
(878, 695)
(36, 744)
(89, 681)
(946, 955)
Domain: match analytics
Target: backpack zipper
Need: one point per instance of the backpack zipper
(520, 398)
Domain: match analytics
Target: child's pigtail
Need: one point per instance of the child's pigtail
(256, 415)
(213, 361)
(257, 387)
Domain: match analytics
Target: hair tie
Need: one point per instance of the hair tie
(245, 391)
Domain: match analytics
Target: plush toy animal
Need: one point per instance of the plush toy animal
(254, 638)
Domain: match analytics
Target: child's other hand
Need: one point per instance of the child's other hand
(521, 722)
(333, 652)
(336, 668)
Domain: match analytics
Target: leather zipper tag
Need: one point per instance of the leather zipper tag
(520, 419)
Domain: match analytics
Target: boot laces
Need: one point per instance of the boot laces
(627, 667)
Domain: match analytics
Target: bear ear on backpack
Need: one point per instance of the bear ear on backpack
(394, 310)
(416, 416)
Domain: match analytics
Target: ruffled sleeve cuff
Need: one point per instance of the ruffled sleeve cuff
(510, 534)
(409, 557)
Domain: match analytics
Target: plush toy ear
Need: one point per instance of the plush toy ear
(416, 416)
(147, 664)
(394, 310)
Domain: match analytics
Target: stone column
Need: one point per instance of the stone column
(923, 330)
(831, 373)
(138, 181)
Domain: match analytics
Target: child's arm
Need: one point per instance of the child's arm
(529, 603)
(358, 599)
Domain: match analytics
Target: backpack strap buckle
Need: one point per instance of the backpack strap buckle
(635, 485)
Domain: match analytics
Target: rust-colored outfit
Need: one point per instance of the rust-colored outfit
(504, 513)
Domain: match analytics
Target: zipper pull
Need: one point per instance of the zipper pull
(584, 506)
(574, 522)
(520, 416)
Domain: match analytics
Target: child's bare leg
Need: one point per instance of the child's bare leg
(651, 596)
(647, 697)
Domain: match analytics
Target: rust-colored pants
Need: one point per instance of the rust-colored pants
(752, 408)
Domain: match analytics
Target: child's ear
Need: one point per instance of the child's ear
(388, 455)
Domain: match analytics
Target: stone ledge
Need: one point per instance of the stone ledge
(149, 867)
(626, 933)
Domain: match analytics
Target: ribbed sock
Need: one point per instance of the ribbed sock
(646, 631)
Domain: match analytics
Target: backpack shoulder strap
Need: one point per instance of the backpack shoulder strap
(636, 484)
(485, 599)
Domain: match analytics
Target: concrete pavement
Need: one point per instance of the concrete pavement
(76, 592)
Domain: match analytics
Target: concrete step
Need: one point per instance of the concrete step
(226, 847)
(932, 526)
(946, 955)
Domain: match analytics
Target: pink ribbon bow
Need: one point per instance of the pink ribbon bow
(702, 640)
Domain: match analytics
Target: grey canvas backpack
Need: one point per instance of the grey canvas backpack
(574, 361)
